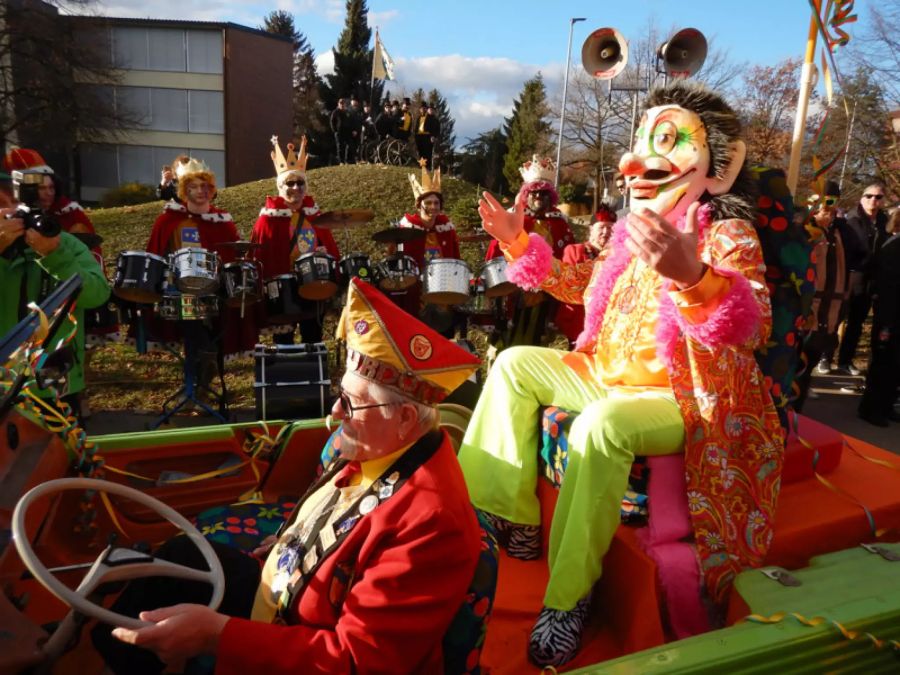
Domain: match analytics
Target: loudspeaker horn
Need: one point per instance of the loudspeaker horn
(604, 53)
(684, 53)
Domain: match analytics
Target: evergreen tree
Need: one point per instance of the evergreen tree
(352, 61)
(447, 140)
(481, 160)
(308, 114)
(527, 130)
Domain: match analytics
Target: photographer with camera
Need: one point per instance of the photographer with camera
(36, 255)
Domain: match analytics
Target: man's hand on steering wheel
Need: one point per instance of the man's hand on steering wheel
(178, 632)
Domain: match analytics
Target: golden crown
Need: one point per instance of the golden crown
(191, 166)
(293, 161)
(538, 168)
(430, 182)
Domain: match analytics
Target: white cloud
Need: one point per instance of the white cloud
(325, 63)
(381, 19)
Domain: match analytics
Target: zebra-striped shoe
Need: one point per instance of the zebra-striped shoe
(520, 541)
(556, 636)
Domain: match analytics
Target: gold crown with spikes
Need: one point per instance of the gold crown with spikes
(538, 169)
(293, 161)
(430, 182)
(191, 166)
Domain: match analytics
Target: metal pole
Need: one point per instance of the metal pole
(803, 101)
(562, 118)
(847, 147)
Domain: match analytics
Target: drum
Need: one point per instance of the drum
(446, 282)
(495, 282)
(317, 274)
(196, 271)
(478, 310)
(139, 276)
(397, 272)
(356, 264)
(186, 307)
(241, 281)
(283, 303)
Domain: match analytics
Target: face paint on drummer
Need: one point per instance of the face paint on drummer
(199, 194)
(429, 207)
(667, 168)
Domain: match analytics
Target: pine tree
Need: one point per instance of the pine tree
(308, 112)
(527, 130)
(352, 61)
(447, 141)
(481, 160)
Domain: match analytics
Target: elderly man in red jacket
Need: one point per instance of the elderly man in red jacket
(370, 569)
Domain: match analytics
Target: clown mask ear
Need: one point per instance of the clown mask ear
(719, 185)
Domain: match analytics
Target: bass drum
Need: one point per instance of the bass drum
(317, 274)
(283, 302)
(139, 276)
(446, 282)
(398, 272)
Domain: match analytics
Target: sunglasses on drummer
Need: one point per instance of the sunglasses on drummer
(348, 408)
(294, 183)
(877, 198)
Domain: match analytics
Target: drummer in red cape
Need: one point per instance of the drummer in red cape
(530, 312)
(196, 223)
(440, 241)
(285, 229)
(370, 569)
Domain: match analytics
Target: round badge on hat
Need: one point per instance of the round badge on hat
(368, 504)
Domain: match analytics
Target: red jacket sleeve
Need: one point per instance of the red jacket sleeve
(326, 239)
(159, 235)
(393, 617)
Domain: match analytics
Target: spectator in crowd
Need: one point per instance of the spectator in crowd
(404, 121)
(355, 117)
(369, 132)
(385, 122)
(167, 190)
(619, 203)
(341, 128)
(428, 129)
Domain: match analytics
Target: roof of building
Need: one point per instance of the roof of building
(172, 23)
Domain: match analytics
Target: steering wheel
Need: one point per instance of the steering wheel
(114, 563)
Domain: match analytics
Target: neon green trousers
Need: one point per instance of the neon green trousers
(499, 457)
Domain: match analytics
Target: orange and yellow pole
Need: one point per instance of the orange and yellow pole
(806, 76)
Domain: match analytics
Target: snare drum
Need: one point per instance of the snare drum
(397, 272)
(356, 265)
(283, 303)
(317, 273)
(196, 271)
(495, 282)
(241, 281)
(139, 276)
(186, 307)
(446, 282)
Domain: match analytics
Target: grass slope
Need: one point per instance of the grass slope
(120, 379)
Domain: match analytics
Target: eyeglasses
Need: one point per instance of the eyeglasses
(877, 198)
(294, 183)
(348, 407)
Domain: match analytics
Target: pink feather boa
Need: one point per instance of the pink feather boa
(734, 320)
(532, 268)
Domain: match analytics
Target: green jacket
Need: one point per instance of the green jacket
(71, 257)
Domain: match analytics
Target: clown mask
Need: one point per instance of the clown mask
(669, 165)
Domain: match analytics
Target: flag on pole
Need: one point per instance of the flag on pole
(383, 64)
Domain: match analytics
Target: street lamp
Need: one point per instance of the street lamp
(562, 118)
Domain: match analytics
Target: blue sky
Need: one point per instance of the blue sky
(479, 53)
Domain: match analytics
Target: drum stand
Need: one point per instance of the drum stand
(191, 386)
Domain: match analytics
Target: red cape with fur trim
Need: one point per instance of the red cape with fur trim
(446, 236)
(213, 228)
(273, 230)
(560, 234)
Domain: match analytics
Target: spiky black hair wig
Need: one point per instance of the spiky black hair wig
(722, 127)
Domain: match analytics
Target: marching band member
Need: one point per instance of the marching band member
(529, 312)
(285, 229)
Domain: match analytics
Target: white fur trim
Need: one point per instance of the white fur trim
(275, 213)
(71, 206)
(311, 210)
(442, 227)
(208, 217)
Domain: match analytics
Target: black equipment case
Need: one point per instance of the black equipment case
(291, 381)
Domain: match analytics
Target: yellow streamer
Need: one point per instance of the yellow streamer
(816, 621)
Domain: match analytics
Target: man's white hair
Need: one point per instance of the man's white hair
(427, 415)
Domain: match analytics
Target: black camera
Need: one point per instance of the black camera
(25, 188)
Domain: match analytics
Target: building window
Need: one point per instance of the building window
(169, 109)
(207, 112)
(167, 49)
(134, 102)
(99, 165)
(204, 50)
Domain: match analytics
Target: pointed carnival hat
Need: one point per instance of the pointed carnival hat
(292, 163)
(387, 346)
(431, 183)
(538, 169)
(20, 159)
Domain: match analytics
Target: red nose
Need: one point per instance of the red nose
(631, 165)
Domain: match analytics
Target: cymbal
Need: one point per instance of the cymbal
(240, 245)
(398, 235)
(334, 220)
(475, 237)
(89, 239)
